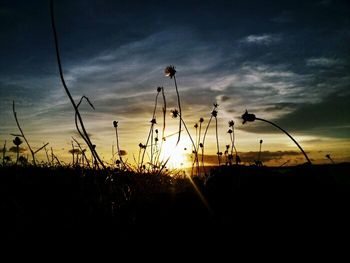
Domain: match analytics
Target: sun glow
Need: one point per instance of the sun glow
(178, 154)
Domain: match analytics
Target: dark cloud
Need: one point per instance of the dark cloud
(280, 107)
(330, 117)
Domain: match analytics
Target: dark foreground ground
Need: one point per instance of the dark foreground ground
(250, 203)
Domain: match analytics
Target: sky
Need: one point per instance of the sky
(284, 61)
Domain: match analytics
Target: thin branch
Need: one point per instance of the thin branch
(301, 149)
(86, 136)
(179, 104)
(42, 147)
(22, 134)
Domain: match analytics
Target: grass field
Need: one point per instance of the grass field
(75, 205)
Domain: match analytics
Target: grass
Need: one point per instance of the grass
(80, 204)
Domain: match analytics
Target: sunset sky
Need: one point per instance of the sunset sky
(285, 61)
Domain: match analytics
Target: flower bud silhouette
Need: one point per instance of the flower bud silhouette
(170, 71)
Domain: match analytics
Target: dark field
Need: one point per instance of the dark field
(74, 205)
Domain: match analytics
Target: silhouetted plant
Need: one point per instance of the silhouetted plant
(231, 132)
(74, 152)
(195, 160)
(259, 163)
(54, 157)
(150, 133)
(175, 113)
(170, 72)
(201, 120)
(247, 117)
(7, 159)
(213, 114)
(77, 126)
(328, 156)
(82, 133)
(23, 160)
(82, 151)
(164, 125)
(3, 154)
(115, 125)
(22, 134)
(17, 141)
(47, 156)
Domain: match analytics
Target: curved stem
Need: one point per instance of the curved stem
(301, 149)
(93, 151)
(178, 102)
(163, 129)
(150, 130)
(24, 137)
(217, 139)
(205, 134)
(17, 154)
(193, 144)
(259, 152)
(3, 154)
(118, 148)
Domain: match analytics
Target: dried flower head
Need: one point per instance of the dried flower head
(216, 104)
(229, 131)
(170, 71)
(261, 141)
(159, 89)
(156, 131)
(17, 141)
(115, 124)
(196, 126)
(201, 145)
(153, 121)
(214, 113)
(123, 152)
(248, 117)
(174, 113)
(201, 120)
(231, 123)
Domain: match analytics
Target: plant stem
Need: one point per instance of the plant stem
(259, 152)
(3, 154)
(217, 139)
(20, 129)
(204, 136)
(179, 104)
(150, 130)
(164, 125)
(118, 148)
(301, 149)
(17, 147)
(193, 144)
(86, 136)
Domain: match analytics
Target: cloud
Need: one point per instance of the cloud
(330, 117)
(322, 62)
(264, 39)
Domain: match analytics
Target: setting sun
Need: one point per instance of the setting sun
(178, 154)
